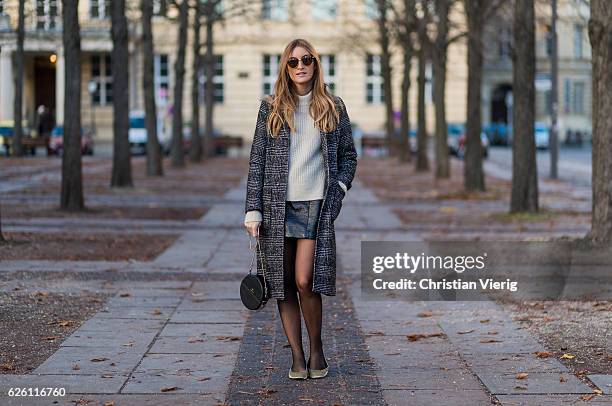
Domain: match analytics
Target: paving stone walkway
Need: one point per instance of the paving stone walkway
(190, 342)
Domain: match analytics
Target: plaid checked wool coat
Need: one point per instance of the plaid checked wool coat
(267, 191)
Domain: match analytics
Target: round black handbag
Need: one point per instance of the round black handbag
(253, 288)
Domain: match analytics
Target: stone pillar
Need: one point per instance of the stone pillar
(8, 88)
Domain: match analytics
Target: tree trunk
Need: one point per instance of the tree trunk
(18, 82)
(422, 162)
(195, 151)
(524, 171)
(72, 178)
(600, 34)
(439, 89)
(406, 154)
(178, 153)
(209, 91)
(154, 156)
(2, 239)
(473, 174)
(385, 61)
(122, 169)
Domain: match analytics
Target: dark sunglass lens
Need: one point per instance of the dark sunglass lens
(307, 60)
(293, 62)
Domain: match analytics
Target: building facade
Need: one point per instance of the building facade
(574, 66)
(247, 51)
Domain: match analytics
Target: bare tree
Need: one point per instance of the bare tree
(72, 177)
(600, 34)
(18, 82)
(122, 167)
(406, 26)
(154, 156)
(478, 12)
(195, 151)
(2, 239)
(524, 195)
(177, 152)
(422, 162)
(384, 39)
(439, 51)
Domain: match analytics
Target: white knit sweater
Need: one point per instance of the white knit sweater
(306, 165)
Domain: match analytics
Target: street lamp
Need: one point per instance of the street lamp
(92, 86)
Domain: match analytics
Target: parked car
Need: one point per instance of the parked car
(6, 134)
(56, 141)
(456, 135)
(412, 139)
(497, 133)
(542, 135)
(137, 134)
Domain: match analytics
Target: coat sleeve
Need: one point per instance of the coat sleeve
(257, 161)
(347, 155)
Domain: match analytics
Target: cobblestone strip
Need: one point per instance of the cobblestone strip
(265, 358)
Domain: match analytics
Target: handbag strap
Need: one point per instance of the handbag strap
(257, 246)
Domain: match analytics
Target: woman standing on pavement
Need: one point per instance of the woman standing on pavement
(301, 165)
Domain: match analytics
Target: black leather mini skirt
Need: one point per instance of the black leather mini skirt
(301, 218)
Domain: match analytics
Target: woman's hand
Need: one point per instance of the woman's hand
(252, 228)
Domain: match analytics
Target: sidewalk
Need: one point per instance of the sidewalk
(175, 332)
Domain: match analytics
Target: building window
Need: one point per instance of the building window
(274, 10)
(578, 40)
(566, 95)
(270, 72)
(102, 75)
(160, 7)
(328, 63)
(1, 7)
(375, 92)
(505, 43)
(162, 79)
(578, 98)
(217, 80)
(46, 14)
(324, 9)
(99, 8)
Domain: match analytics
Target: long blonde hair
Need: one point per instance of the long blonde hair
(284, 100)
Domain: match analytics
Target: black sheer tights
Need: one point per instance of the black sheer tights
(298, 264)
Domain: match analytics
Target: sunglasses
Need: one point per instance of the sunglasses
(306, 60)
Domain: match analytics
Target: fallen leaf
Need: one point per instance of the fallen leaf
(520, 387)
(492, 333)
(598, 391)
(425, 314)
(418, 336)
(156, 312)
(490, 340)
(375, 333)
(587, 397)
(109, 403)
(194, 340)
(521, 375)
(124, 294)
(567, 356)
(543, 354)
(100, 359)
(229, 338)
(203, 378)
(562, 378)
(50, 338)
(76, 367)
(485, 321)
(106, 376)
(466, 331)
(170, 388)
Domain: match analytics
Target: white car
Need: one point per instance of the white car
(137, 133)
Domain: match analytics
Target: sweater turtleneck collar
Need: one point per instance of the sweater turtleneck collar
(305, 99)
